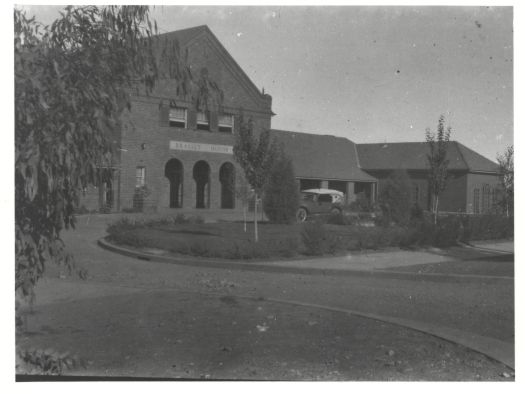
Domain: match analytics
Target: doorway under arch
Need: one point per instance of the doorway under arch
(201, 175)
(174, 171)
(227, 179)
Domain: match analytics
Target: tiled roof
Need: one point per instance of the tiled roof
(322, 156)
(413, 156)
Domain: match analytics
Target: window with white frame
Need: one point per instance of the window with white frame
(226, 123)
(203, 121)
(178, 117)
(140, 177)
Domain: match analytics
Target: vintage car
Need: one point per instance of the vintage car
(319, 201)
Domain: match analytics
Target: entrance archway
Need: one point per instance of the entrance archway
(201, 175)
(227, 179)
(174, 171)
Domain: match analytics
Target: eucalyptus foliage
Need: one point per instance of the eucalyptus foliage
(72, 82)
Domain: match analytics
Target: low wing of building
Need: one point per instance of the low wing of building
(472, 184)
(325, 161)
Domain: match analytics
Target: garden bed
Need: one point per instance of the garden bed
(228, 240)
(183, 235)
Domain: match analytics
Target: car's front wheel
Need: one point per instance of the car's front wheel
(302, 214)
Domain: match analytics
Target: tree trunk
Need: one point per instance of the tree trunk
(436, 205)
(244, 214)
(255, 220)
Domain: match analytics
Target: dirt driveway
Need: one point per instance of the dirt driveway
(135, 317)
(128, 332)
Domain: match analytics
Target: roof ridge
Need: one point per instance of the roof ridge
(313, 133)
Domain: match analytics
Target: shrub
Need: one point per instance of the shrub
(281, 194)
(183, 219)
(481, 227)
(288, 247)
(318, 241)
(395, 198)
(342, 219)
(122, 225)
(180, 219)
(199, 248)
(139, 196)
(313, 235)
(45, 362)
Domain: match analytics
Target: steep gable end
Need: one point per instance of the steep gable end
(206, 51)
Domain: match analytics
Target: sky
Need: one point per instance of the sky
(370, 74)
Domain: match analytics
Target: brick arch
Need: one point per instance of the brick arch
(201, 175)
(227, 180)
(174, 171)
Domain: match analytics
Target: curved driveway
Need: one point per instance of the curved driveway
(479, 308)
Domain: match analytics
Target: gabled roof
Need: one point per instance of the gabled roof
(413, 156)
(186, 36)
(322, 156)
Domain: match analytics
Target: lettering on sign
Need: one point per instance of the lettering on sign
(198, 147)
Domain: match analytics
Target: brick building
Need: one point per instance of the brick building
(472, 184)
(185, 155)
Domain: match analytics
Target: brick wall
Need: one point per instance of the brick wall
(452, 199)
(146, 138)
(476, 181)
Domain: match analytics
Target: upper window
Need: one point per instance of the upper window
(226, 123)
(203, 121)
(140, 177)
(178, 117)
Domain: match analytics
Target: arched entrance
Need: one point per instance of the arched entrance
(174, 171)
(201, 175)
(227, 179)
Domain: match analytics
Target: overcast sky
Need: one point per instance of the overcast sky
(371, 74)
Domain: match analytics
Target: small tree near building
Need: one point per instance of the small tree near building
(255, 156)
(506, 168)
(281, 194)
(244, 192)
(438, 162)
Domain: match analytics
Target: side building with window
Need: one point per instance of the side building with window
(473, 181)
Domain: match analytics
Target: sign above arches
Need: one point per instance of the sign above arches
(198, 147)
